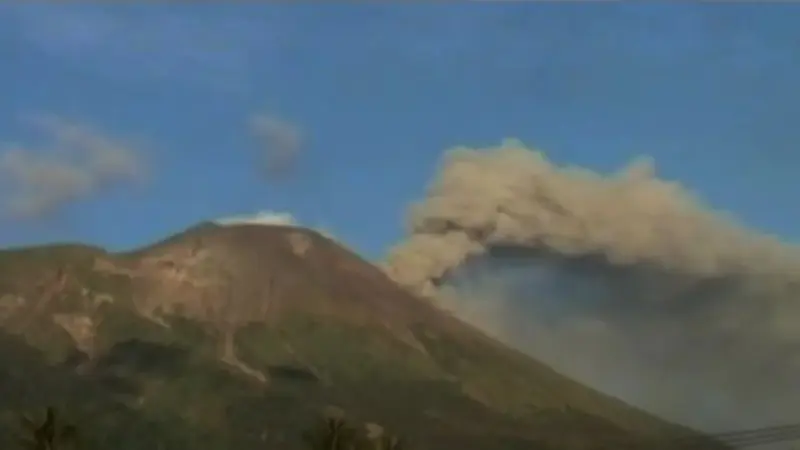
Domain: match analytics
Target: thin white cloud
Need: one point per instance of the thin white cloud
(259, 218)
(280, 142)
(272, 218)
(75, 162)
(154, 44)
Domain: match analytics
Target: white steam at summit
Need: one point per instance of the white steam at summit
(259, 218)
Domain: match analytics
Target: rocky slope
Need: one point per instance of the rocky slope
(240, 335)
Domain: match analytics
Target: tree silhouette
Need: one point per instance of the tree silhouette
(332, 433)
(49, 434)
(389, 442)
(392, 443)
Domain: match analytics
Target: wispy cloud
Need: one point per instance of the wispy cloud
(280, 143)
(131, 43)
(220, 45)
(75, 162)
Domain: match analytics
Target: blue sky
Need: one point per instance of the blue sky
(367, 97)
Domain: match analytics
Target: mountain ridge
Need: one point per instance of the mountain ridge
(267, 301)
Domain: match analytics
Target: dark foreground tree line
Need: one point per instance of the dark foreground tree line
(331, 432)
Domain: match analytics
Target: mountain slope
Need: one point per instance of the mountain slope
(239, 335)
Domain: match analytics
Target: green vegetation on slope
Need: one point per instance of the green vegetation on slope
(147, 383)
(163, 393)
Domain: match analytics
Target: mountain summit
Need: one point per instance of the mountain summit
(237, 335)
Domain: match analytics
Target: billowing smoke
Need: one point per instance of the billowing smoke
(625, 281)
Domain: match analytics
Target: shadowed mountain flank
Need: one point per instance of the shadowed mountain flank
(243, 333)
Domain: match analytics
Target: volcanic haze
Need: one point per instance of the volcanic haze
(626, 282)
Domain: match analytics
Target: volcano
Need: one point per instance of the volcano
(238, 336)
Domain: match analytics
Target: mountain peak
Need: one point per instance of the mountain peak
(266, 301)
(236, 274)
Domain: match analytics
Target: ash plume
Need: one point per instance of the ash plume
(624, 281)
(513, 196)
